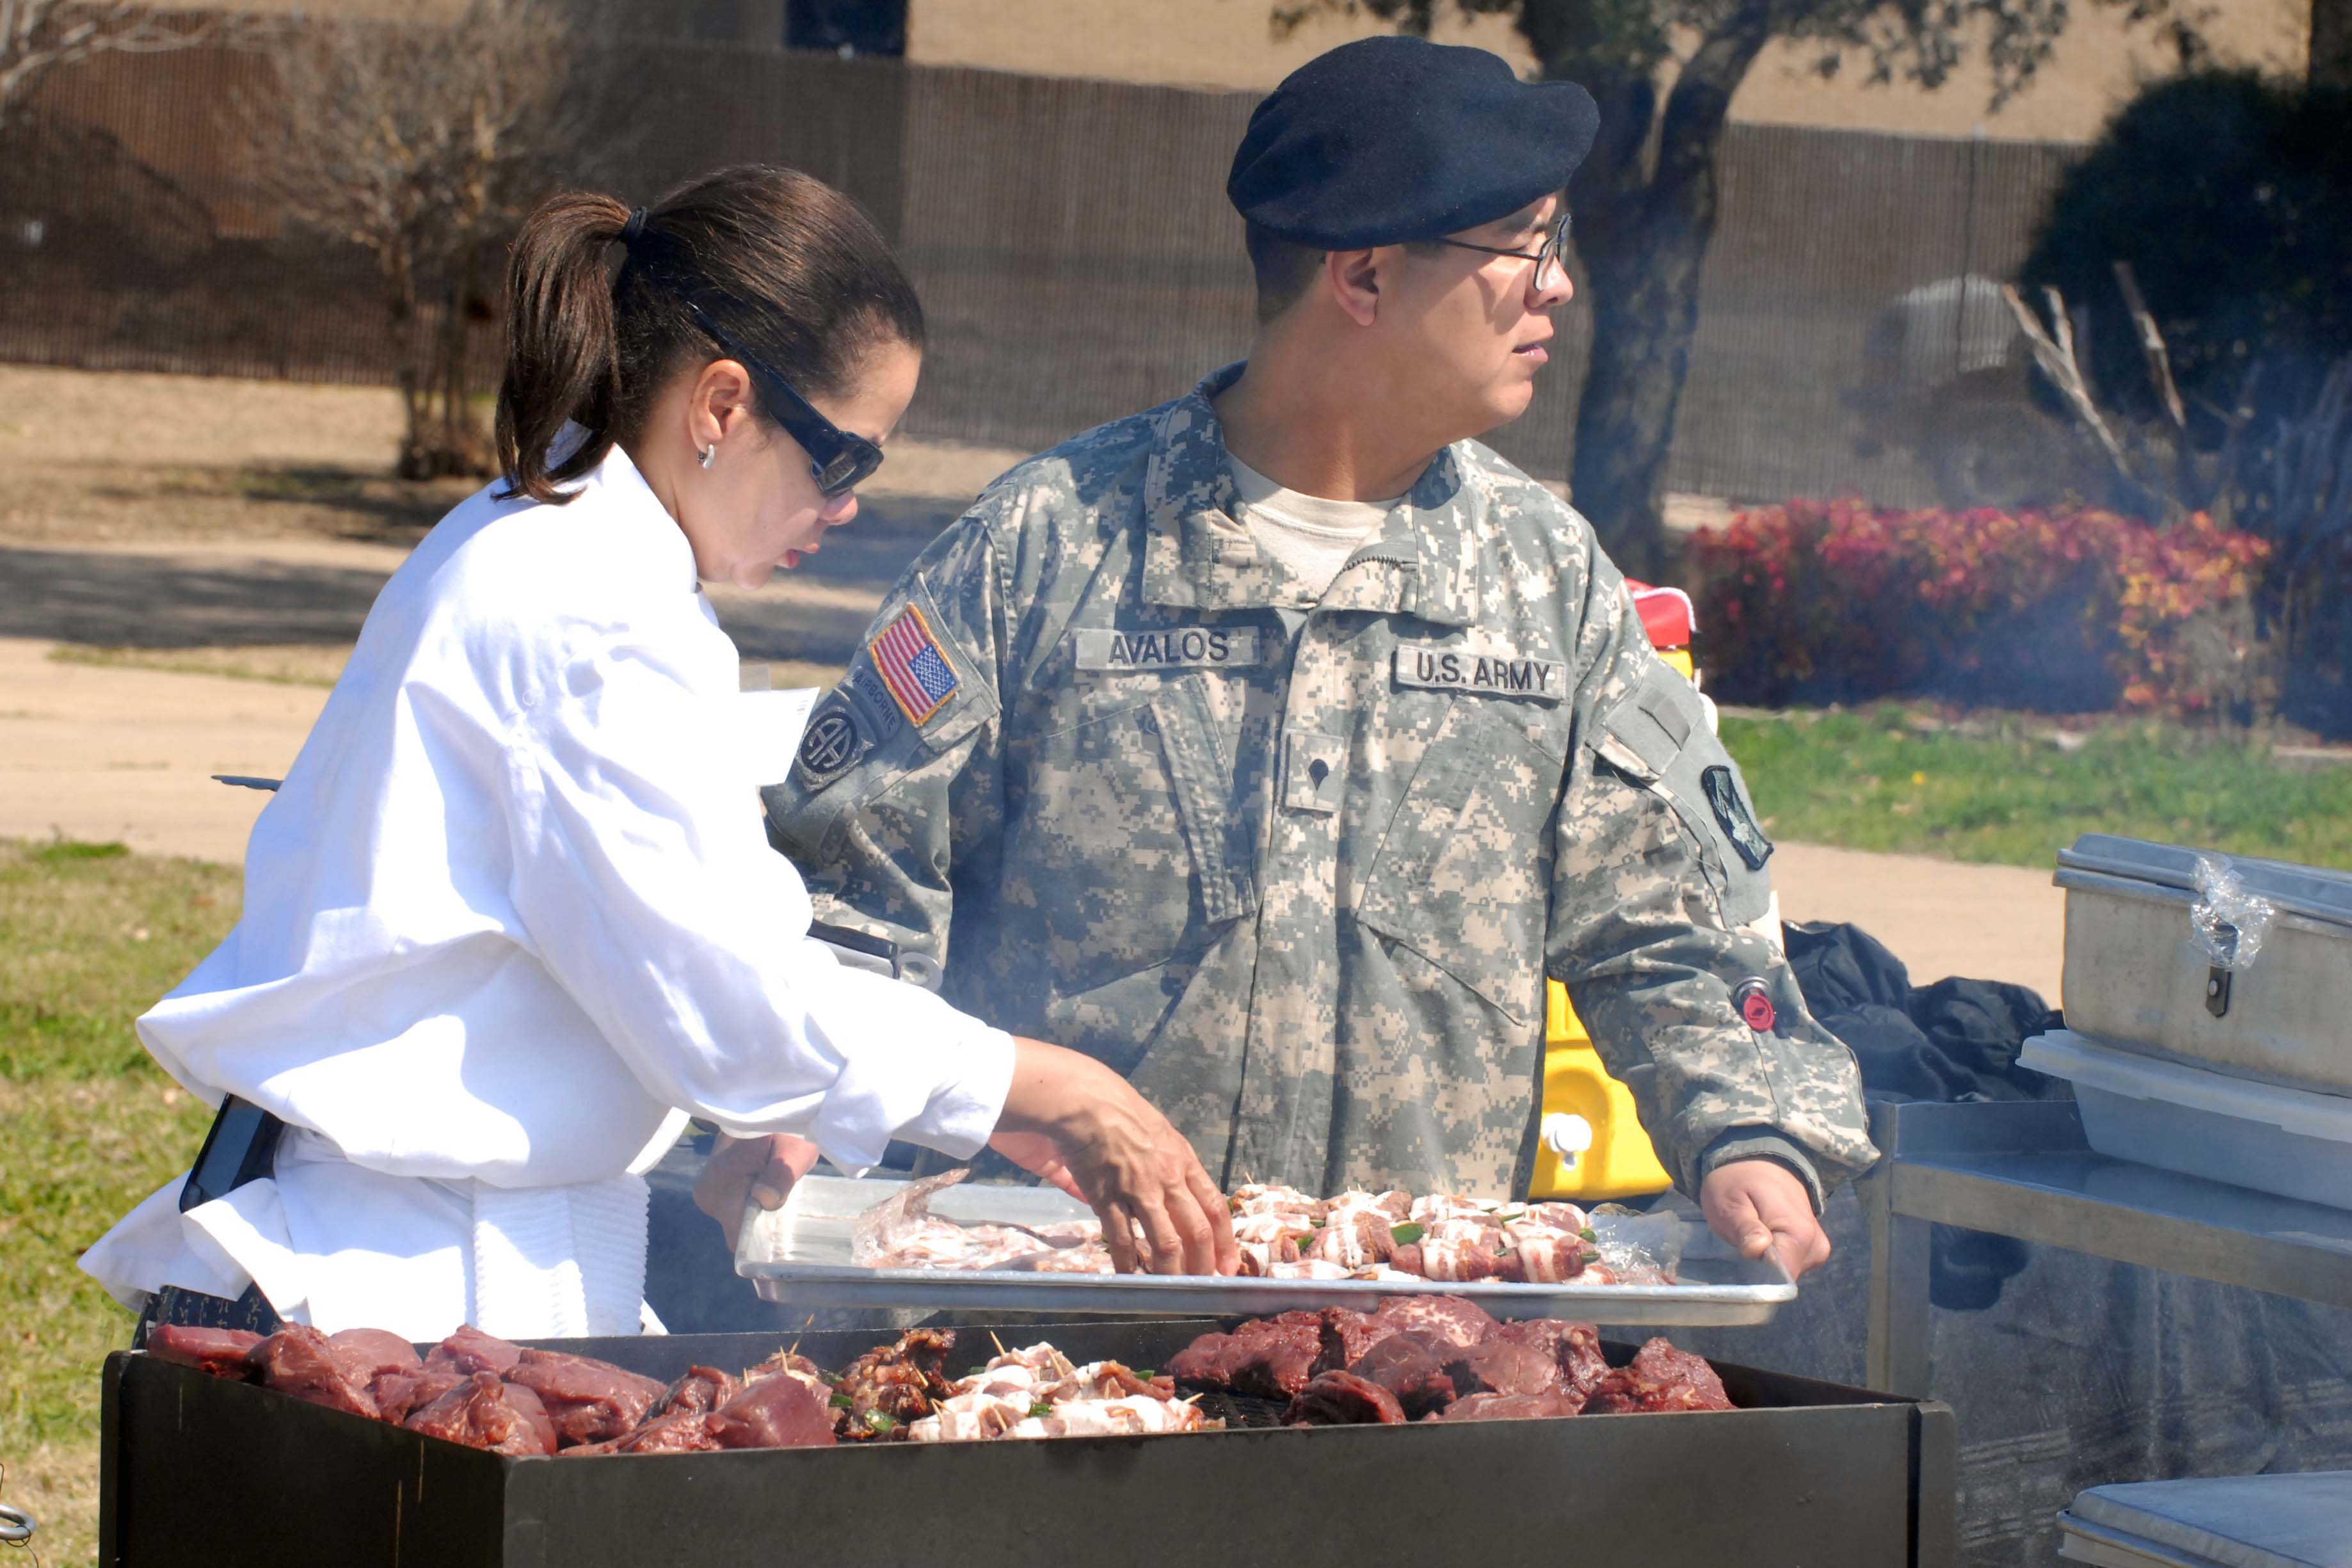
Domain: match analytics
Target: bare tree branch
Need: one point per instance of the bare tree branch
(424, 144)
(39, 38)
(2151, 343)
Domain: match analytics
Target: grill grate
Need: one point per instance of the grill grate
(1239, 1411)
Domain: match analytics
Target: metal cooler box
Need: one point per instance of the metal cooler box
(201, 1473)
(2225, 1521)
(2135, 976)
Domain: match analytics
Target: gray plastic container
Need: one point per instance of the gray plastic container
(2136, 977)
(2223, 1522)
(2294, 1142)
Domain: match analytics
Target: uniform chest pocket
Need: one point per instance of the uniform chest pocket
(1122, 847)
(1463, 874)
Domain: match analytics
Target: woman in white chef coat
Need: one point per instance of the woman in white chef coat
(512, 918)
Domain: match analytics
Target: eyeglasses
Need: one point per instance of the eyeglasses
(839, 460)
(1545, 256)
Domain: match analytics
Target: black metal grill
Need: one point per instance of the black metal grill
(202, 1473)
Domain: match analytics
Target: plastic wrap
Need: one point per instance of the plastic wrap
(2230, 922)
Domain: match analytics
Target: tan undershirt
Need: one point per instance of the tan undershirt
(1311, 535)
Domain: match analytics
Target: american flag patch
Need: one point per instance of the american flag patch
(913, 665)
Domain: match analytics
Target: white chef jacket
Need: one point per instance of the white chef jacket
(510, 919)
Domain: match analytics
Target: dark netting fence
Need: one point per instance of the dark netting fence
(1072, 246)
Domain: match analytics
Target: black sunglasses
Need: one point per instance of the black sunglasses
(1543, 256)
(839, 460)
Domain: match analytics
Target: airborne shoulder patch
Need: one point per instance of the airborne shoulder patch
(833, 742)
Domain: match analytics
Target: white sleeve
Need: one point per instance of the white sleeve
(644, 878)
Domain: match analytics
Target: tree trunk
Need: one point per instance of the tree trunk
(2331, 43)
(1645, 258)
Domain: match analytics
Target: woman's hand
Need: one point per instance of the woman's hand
(742, 1170)
(1082, 1127)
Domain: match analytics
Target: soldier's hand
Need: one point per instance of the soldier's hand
(1759, 1207)
(742, 1170)
(1079, 1125)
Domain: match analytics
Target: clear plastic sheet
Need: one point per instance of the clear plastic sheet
(1639, 1249)
(2230, 922)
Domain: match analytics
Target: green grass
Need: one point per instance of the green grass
(1998, 790)
(89, 937)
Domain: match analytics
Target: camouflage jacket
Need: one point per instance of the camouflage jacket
(1298, 866)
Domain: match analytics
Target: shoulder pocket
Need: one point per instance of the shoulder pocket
(1658, 736)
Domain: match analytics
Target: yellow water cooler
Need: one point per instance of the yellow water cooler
(1591, 1147)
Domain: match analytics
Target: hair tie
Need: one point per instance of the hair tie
(634, 226)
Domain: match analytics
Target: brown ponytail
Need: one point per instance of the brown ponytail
(784, 262)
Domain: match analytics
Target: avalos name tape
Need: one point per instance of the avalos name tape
(1168, 647)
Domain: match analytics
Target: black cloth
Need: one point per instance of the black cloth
(1954, 1040)
(1392, 138)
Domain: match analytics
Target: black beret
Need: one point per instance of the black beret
(1392, 138)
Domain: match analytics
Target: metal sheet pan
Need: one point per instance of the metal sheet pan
(800, 1254)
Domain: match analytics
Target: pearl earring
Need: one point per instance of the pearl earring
(709, 454)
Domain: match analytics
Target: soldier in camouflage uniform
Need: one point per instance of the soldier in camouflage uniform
(1296, 858)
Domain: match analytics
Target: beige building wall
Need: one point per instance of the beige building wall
(2099, 63)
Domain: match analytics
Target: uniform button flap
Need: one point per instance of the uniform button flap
(1312, 773)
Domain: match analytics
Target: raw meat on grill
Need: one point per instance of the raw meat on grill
(224, 1352)
(300, 1360)
(1509, 1406)
(1346, 1335)
(1271, 1358)
(892, 1385)
(471, 1349)
(1412, 1368)
(590, 1400)
(1037, 1392)
(1574, 1348)
(1660, 1378)
(683, 1432)
(773, 1412)
(483, 1412)
(1448, 1317)
(1498, 1365)
(1133, 1416)
(399, 1396)
(698, 1390)
(1343, 1399)
(366, 1354)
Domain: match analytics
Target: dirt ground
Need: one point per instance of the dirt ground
(185, 563)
